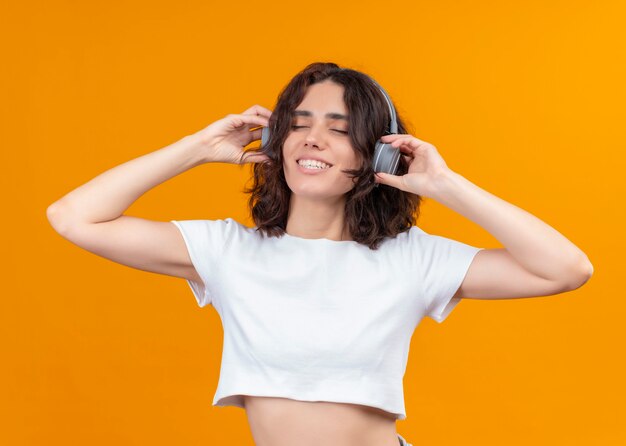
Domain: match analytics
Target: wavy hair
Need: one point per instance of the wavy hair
(371, 213)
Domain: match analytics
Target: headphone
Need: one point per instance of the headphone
(386, 157)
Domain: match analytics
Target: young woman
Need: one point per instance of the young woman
(320, 299)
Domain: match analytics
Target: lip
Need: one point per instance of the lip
(311, 171)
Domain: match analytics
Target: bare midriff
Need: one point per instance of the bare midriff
(286, 422)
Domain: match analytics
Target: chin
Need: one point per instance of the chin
(317, 193)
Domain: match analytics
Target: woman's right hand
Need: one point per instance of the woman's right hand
(225, 139)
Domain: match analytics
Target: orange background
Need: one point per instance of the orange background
(525, 99)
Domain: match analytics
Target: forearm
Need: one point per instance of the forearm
(108, 195)
(538, 247)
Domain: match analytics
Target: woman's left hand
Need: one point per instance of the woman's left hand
(425, 165)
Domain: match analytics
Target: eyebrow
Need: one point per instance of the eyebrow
(307, 113)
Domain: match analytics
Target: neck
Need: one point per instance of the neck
(312, 219)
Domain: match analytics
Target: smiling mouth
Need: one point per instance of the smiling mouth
(314, 168)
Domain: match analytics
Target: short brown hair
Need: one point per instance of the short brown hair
(371, 213)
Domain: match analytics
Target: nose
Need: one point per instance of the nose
(312, 136)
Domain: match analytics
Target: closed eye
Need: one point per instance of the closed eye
(302, 126)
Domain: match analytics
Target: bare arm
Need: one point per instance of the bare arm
(108, 195)
(536, 260)
(91, 216)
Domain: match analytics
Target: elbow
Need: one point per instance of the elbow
(581, 274)
(57, 218)
(52, 211)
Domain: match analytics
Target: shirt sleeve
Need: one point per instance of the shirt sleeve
(443, 264)
(205, 241)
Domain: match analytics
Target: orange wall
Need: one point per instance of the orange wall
(525, 99)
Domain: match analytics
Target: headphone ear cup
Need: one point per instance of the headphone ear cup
(386, 158)
(265, 136)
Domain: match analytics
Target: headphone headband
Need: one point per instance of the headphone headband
(393, 125)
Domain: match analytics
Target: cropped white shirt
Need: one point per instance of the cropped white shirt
(318, 319)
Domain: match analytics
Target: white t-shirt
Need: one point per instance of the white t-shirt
(318, 319)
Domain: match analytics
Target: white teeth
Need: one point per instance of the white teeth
(312, 164)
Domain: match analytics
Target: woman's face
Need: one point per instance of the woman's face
(319, 130)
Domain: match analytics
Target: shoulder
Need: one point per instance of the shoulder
(216, 232)
(418, 243)
(409, 236)
(228, 223)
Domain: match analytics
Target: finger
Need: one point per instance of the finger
(409, 142)
(252, 120)
(256, 134)
(258, 110)
(407, 150)
(392, 137)
(395, 139)
(399, 138)
(255, 157)
(389, 179)
(404, 146)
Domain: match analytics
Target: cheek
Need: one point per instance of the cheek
(287, 149)
(353, 160)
